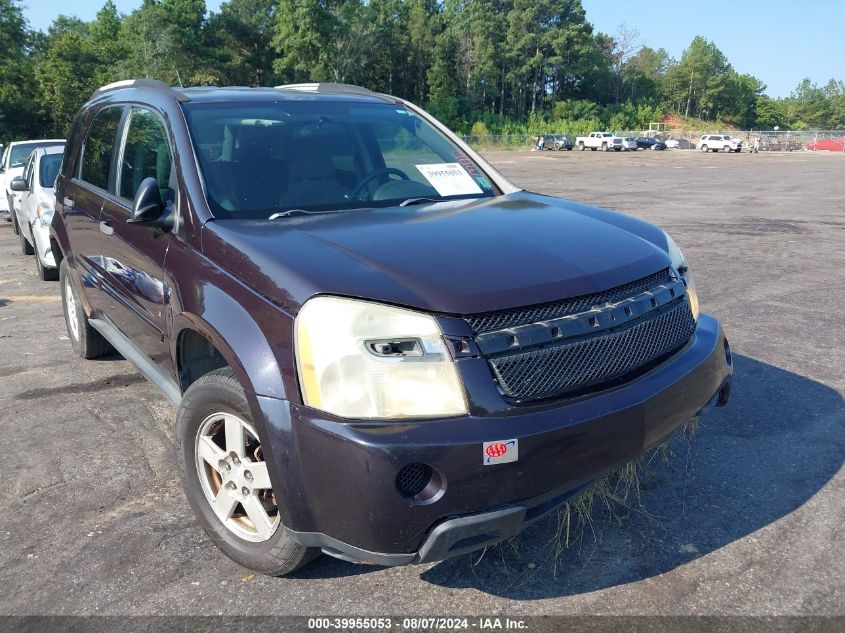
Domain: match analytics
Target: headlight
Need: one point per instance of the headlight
(680, 264)
(45, 214)
(358, 359)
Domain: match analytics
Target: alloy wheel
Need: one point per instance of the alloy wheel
(70, 307)
(234, 477)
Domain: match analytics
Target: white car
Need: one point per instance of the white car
(629, 144)
(11, 166)
(38, 201)
(716, 142)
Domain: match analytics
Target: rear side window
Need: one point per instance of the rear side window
(99, 147)
(146, 154)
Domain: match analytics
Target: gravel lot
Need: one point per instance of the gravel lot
(746, 519)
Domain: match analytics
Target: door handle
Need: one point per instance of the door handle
(106, 228)
(68, 202)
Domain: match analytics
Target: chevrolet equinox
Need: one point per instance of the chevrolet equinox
(378, 346)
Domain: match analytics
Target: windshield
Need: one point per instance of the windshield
(19, 153)
(263, 159)
(48, 169)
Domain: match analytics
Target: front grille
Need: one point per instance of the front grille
(586, 362)
(490, 321)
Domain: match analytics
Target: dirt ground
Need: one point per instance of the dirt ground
(745, 519)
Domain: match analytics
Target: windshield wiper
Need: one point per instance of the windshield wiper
(289, 212)
(411, 201)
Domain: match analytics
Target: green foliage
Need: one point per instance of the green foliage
(482, 66)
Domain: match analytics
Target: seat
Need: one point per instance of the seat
(313, 176)
(258, 179)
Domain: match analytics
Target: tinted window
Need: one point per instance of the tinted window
(99, 147)
(258, 159)
(146, 155)
(48, 169)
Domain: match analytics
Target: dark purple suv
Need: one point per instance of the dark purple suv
(379, 347)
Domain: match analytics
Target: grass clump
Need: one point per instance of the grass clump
(610, 499)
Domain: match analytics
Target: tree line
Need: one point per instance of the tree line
(482, 66)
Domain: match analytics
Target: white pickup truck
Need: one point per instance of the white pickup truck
(604, 141)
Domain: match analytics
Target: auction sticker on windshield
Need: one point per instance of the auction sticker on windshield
(449, 179)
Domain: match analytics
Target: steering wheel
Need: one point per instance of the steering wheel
(376, 174)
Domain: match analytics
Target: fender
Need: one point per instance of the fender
(238, 338)
(256, 342)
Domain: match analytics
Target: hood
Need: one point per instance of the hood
(457, 257)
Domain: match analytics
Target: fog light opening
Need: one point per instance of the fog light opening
(728, 357)
(420, 483)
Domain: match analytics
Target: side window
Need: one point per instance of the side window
(27, 170)
(99, 147)
(146, 154)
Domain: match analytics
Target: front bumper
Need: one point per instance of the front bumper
(337, 479)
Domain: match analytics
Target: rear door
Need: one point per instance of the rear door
(134, 253)
(83, 196)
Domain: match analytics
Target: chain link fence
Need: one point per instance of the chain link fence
(761, 140)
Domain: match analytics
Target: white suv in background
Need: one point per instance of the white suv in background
(38, 201)
(716, 142)
(11, 167)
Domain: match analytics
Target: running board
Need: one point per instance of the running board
(141, 361)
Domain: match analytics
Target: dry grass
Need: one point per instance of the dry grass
(611, 499)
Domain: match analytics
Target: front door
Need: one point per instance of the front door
(133, 254)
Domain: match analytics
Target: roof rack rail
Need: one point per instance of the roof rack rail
(152, 84)
(326, 87)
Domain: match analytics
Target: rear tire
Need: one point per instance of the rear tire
(581, 146)
(217, 398)
(86, 341)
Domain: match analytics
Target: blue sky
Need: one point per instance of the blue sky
(779, 41)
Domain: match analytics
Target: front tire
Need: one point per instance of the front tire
(226, 478)
(26, 247)
(704, 149)
(86, 341)
(45, 273)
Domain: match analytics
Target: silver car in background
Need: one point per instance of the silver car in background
(37, 203)
(11, 166)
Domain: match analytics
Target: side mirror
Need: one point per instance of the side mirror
(148, 207)
(18, 184)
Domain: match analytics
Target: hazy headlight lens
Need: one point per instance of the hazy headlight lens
(358, 359)
(680, 264)
(45, 214)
